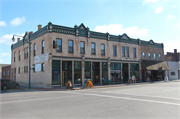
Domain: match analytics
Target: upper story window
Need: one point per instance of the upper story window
(93, 49)
(59, 42)
(159, 56)
(43, 47)
(34, 49)
(149, 55)
(70, 46)
(42, 67)
(154, 56)
(102, 49)
(4, 73)
(19, 70)
(8, 72)
(134, 52)
(123, 51)
(14, 56)
(25, 53)
(19, 54)
(127, 51)
(114, 50)
(143, 55)
(25, 69)
(82, 48)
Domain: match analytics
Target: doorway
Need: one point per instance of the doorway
(64, 77)
(96, 72)
(125, 73)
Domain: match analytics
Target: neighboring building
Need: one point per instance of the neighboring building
(173, 61)
(61, 54)
(2, 65)
(6, 72)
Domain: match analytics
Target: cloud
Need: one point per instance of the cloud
(17, 21)
(4, 54)
(158, 10)
(118, 29)
(7, 39)
(1, 61)
(170, 46)
(3, 24)
(171, 16)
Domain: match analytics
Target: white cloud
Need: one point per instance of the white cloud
(158, 10)
(2, 23)
(7, 39)
(4, 54)
(171, 16)
(170, 46)
(1, 61)
(117, 29)
(17, 21)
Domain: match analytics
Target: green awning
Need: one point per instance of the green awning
(154, 65)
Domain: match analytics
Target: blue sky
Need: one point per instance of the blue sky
(158, 20)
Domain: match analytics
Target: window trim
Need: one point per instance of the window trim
(94, 48)
(115, 55)
(58, 44)
(81, 47)
(135, 53)
(72, 46)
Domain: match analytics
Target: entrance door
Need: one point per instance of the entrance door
(96, 72)
(125, 72)
(64, 77)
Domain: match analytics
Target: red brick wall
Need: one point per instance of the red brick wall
(6, 69)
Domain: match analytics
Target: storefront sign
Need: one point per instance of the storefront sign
(37, 67)
(41, 58)
(89, 83)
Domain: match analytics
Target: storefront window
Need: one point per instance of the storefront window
(134, 71)
(116, 72)
(87, 72)
(104, 71)
(77, 72)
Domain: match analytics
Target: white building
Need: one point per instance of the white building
(174, 73)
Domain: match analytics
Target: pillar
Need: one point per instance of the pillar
(73, 72)
(91, 73)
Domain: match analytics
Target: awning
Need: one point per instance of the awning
(154, 65)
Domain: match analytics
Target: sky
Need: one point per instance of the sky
(157, 20)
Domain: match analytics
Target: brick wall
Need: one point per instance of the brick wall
(6, 72)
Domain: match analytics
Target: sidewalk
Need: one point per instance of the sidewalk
(95, 86)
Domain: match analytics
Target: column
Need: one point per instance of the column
(73, 72)
(82, 67)
(109, 71)
(140, 72)
(61, 72)
(91, 73)
(100, 73)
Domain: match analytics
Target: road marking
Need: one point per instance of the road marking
(177, 104)
(142, 95)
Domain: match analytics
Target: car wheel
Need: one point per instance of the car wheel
(17, 86)
(4, 87)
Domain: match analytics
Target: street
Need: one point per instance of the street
(136, 101)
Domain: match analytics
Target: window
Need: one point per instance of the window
(127, 51)
(19, 70)
(172, 73)
(4, 73)
(123, 51)
(59, 42)
(102, 49)
(70, 46)
(42, 67)
(14, 56)
(159, 56)
(34, 49)
(27, 52)
(149, 55)
(25, 69)
(43, 47)
(154, 56)
(82, 49)
(134, 52)
(8, 72)
(143, 55)
(19, 55)
(93, 49)
(114, 50)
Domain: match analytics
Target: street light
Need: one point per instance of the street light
(27, 39)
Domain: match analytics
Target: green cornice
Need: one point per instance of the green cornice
(85, 32)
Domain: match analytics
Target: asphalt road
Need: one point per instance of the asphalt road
(145, 101)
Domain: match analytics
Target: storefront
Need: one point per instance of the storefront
(116, 72)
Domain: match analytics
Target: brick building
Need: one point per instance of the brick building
(62, 54)
(6, 72)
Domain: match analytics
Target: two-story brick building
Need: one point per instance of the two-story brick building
(62, 54)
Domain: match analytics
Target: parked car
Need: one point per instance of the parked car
(7, 84)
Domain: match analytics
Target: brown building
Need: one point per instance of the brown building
(61, 54)
(172, 56)
(6, 72)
